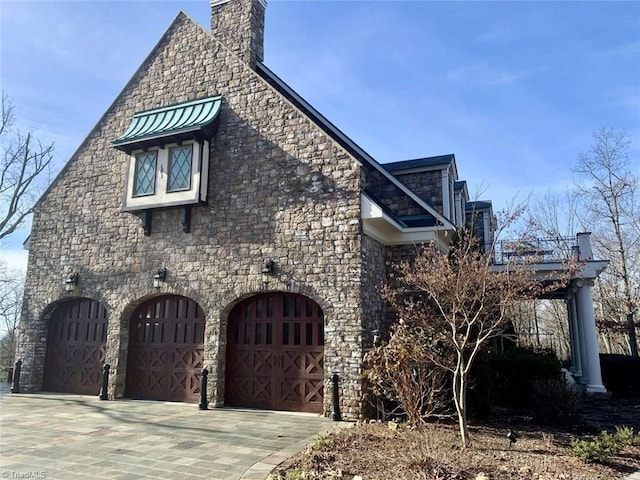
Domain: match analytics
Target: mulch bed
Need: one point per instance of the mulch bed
(376, 451)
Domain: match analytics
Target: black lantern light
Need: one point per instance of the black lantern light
(71, 283)
(267, 273)
(159, 278)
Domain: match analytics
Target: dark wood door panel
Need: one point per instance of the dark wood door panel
(76, 348)
(166, 350)
(275, 353)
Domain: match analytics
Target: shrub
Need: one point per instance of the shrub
(480, 395)
(556, 401)
(404, 375)
(621, 375)
(626, 437)
(599, 449)
(510, 377)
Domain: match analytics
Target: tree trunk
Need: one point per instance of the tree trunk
(631, 328)
(460, 401)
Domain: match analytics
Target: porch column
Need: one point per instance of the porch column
(582, 349)
(576, 351)
(587, 322)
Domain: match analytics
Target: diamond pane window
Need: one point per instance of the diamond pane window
(145, 179)
(179, 169)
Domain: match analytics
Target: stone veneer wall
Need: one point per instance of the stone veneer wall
(374, 276)
(279, 189)
(427, 185)
(381, 189)
(396, 254)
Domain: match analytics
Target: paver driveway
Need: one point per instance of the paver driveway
(56, 436)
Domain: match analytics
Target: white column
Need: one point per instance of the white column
(584, 245)
(587, 322)
(576, 351)
(582, 350)
(446, 203)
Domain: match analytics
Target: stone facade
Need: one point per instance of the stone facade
(397, 201)
(281, 188)
(428, 185)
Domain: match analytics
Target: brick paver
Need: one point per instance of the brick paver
(57, 436)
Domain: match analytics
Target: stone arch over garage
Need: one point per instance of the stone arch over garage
(76, 347)
(166, 349)
(275, 353)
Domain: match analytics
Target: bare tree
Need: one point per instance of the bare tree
(608, 187)
(463, 301)
(24, 160)
(554, 215)
(11, 282)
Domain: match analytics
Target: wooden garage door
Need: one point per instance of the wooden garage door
(76, 347)
(275, 354)
(166, 345)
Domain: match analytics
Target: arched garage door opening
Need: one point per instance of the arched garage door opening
(76, 347)
(275, 354)
(166, 346)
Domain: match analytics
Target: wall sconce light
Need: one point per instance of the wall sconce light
(267, 272)
(71, 283)
(159, 278)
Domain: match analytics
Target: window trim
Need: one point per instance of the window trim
(162, 198)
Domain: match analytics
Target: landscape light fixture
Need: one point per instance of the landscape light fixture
(71, 283)
(267, 272)
(159, 278)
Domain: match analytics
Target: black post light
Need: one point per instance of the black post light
(335, 398)
(376, 337)
(104, 395)
(16, 377)
(203, 390)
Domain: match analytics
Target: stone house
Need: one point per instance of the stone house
(213, 218)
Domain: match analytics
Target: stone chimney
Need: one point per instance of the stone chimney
(239, 24)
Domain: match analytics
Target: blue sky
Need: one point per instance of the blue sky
(514, 89)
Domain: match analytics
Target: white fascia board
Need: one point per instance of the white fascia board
(590, 269)
(381, 227)
(454, 169)
(370, 209)
(383, 235)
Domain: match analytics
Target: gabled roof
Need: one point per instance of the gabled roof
(346, 143)
(174, 123)
(479, 205)
(460, 185)
(428, 162)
